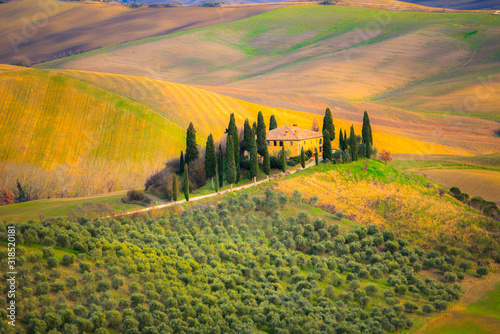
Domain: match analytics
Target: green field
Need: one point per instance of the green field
(57, 207)
(482, 316)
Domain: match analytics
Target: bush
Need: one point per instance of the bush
(51, 262)
(136, 196)
(68, 259)
(275, 162)
(482, 271)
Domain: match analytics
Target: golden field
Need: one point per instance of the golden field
(408, 205)
(111, 131)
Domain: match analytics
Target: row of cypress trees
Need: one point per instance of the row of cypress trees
(345, 142)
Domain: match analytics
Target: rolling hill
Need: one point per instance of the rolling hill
(35, 31)
(122, 127)
(342, 52)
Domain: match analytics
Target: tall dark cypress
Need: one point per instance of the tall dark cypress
(266, 164)
(316, 158)
(254, 128)
(220, 166)
(327, 146)
(273, 124)
(181, 163)
(341, 140)
(232, 132)
(328, 124)
(230, 164)
(283, 159)
(216, 178)
(254, 159)
(261, 134)
(248, 135)
(346, 144)
(175, 191)
(186, 182)
(366, 135)
(302, 158)
(210, 158)
(191, 147)
(353, 145)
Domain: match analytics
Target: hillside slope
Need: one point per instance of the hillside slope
(35, 31)
(332, 51)
(105, 127)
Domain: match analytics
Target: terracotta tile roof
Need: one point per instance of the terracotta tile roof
(291, 133)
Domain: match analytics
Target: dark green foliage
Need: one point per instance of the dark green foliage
(341, 140)
(254, 158)
(328, 124)
(273, 124)
(186, 182)
(302, 157)
(191, 146)
(220, 165)
(216, 181)
(175, 189)
(210, 158)
(482, 271)
(316, 157)
(230, 163)
(353, 145)
(248, 135)
(51, 262)
(366, 134)
(283, 159)
(327, 146)
(181, 163)
(261, 135)
(266, 163)
(21, 193)
(232, 131)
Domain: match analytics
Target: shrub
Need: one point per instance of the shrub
(450, 277)
(51, 262)
(410, 307)
(48, 252)
(68, 259)
(427, 308)
(276, 162)
(482, 271)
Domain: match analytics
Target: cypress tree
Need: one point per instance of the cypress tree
(261, 134)
(220, 166)
(254, 128)
(186, 182)
(316, 158)
(366, 134)
(353, 145)
(328, 124)
(232, 131)
(273, 124)
(210, 158)
(254, 159)
(327, 146)
(302, 158)
(283, 159)
(341, 140)
(191, 148)
(267, 163)
(248, 135)
(216, 178)
(230, 164)
(175, 191)
(181, 163)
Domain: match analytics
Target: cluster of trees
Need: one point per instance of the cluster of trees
(350, 148)
(488, 208)
(242, 265)
(243, 151)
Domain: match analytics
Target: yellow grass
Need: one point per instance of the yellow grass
(384, 197)
(484, 183)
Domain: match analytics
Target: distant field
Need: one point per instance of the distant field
(74, 27)
(459, 4)
(58, 207)
(481, 315)
(423, 161)
(473, 182)
(331, 51)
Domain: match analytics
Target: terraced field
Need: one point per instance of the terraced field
(36, 31)
(331, 51)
